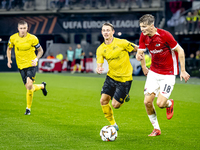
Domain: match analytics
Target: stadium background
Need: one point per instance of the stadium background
(72, 22)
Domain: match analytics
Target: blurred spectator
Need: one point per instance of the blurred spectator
(28, 4)
(79, 54)
(197, 54)
(90, 55)
(189, 22)
(59, 56)
(54, 4)
(3, 4)
(69, 58)
(51, 56)
(194, 21)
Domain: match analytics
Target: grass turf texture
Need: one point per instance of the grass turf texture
(70, 116)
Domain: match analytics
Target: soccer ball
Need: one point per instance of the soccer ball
(108, 133)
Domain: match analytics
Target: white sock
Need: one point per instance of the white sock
(154, 121)
(170, 103)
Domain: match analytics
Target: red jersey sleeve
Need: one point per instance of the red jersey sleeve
(170, 40)
(142, 43)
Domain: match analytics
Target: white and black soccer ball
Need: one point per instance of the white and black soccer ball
(108, 133)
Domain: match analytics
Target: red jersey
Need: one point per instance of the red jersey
(161, 46)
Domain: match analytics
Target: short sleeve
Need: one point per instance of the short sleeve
(129, 46)
(170, 40)
(10, 43)
(99, 56)
(36, 43)
(142, 43)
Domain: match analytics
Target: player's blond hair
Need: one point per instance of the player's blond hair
(147, 19)
(108, 24)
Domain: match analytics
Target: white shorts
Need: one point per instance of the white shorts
(158, 83)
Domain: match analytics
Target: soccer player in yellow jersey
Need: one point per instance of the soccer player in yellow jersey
(119, 77)
(25, 45)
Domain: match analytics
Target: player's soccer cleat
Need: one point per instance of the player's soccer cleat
(44, 91)
(28, 111)
(155, 132)
(170, 110)
(116, 127)
(127, 98)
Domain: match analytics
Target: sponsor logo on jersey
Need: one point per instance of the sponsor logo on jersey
(156, 51)
(115, 47)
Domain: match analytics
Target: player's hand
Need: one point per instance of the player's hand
(34, 62)
(139, 57)
(145, 71)
(184, 75)
(99, 70)
(9, 64)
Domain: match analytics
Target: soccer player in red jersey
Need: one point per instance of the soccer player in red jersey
(165, 52)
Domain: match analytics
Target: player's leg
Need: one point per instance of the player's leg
(150, 92)
(166, 87)
(107, 110)
(106, 94)
(42, 87)
(29, 95)
(148, 101)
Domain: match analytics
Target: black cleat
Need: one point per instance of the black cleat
(28, 111)
(44, 91)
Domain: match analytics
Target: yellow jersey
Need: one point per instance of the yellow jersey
(24, 49)
(117, 56)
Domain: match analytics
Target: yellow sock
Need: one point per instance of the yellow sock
(79, 68)
(108, 112)
(37, 87)
(29, 98)
(74, 68)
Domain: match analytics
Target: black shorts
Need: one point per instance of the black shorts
(28, 72)
(78, 61)
(116, 89)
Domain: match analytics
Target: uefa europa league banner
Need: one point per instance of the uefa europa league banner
(68, 23)
(93, 23)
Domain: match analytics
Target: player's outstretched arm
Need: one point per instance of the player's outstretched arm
(9, 57)
(99, 68)
(183, 75)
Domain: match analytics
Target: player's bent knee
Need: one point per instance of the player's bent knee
(29, 86)
(116, 105)
(148, 104)
(103, 102)
(160, 104)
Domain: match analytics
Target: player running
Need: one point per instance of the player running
(25, 45)
(160, 81)
(119, 77)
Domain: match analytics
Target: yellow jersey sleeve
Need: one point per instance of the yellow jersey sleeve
(99, 55)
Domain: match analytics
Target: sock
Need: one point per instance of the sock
(79, 68)
(108, 112)
(37, 87)
(154, 121)
(74, 68)
(29, 98)
(170, 103)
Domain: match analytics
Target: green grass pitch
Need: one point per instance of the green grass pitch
(70, 116)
